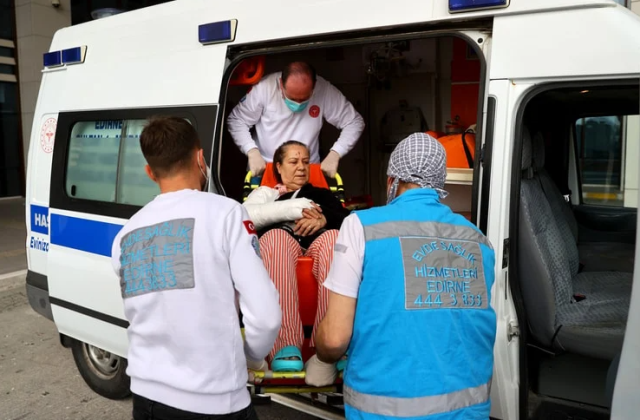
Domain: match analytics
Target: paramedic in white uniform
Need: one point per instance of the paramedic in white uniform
(185, 261)
(291, 105)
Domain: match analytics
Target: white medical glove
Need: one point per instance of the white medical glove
(253, 366)
(320, 373)
(256, 162)
(330, 164)
(260, 366)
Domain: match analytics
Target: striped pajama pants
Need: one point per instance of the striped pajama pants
(280, 254)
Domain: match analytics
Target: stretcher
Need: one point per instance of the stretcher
(293, 382)
(460, 148)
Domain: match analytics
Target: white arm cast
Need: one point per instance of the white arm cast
(264, 210)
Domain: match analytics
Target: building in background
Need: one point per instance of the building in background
(26, 30)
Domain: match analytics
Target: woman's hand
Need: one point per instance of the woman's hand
(309, 225)
(313, 213)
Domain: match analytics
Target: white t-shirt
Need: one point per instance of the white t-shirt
(264, 107)
(345, 273)
(186, 261)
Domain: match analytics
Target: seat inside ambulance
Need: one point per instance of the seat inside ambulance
(576, 236)
(399, 88)
(593, 326)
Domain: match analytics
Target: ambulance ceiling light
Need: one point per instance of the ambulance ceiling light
(69, 56)
(216, 32)
(469, 5)
(74, 55)
(52, 59)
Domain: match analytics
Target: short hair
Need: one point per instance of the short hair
(167, 144)
(278, 156)
(298, 68)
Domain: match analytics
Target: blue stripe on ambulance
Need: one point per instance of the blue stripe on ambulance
(85, 235)
(82, 234)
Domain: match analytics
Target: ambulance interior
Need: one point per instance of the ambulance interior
(399, 88)
(433, 84)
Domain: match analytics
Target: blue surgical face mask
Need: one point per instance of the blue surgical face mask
(295, 106)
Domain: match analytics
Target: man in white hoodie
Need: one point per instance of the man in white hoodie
(186, 261)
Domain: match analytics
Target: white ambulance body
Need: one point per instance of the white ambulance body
(556, 67)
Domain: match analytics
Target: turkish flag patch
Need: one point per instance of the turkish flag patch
(314, 111)
(248, 224)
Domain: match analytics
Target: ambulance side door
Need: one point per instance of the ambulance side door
(98, 181)
(506, 375)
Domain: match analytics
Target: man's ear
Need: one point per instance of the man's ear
(389, 182)
(150, 173)
(200, 159)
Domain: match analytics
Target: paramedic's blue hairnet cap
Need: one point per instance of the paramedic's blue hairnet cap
(419, 159)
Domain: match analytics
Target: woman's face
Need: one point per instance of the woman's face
(294, 168)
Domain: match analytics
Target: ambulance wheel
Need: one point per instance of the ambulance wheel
(104, 372)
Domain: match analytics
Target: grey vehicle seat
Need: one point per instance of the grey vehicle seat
(583, 313)
(595, 256)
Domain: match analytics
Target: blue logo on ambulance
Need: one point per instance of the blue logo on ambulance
(39, 219)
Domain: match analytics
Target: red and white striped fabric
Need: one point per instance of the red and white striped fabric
(280, 252)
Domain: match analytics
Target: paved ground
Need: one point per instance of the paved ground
(12, 236)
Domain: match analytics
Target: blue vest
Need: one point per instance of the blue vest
(422, 344)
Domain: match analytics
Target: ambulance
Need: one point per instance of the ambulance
(537, 102)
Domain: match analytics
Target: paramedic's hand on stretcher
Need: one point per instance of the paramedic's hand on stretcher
(320, 373)
(253, 366)
(257, 164)
(330, 164)
(260, 366)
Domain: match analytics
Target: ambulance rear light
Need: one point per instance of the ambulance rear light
(52, 59)
(74, 55)
(470, 5)
(216, 32)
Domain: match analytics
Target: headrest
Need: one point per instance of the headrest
(316, 177)
(538, 151)
(526, 149)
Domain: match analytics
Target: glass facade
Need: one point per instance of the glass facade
(11, 154)
(7, 20)
(81, 9)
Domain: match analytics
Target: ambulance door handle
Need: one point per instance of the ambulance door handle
(513, 330)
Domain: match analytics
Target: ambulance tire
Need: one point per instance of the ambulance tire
(107, 376)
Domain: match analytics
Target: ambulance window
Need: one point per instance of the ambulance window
(93, 160)
(134, 186)
(106, 164)
(601, 145)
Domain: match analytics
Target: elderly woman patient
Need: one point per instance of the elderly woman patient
(293, 219)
